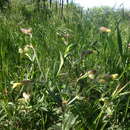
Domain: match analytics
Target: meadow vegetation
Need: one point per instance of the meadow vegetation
(64, 68)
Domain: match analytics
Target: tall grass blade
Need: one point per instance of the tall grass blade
(119, 40)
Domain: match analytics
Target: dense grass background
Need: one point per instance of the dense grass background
(68, 66)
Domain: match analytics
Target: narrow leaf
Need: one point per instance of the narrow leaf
(119, 40)
(61, 63)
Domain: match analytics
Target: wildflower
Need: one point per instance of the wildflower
(108, 77)
(26, 31)
(24, 82)
(64, 102)
(104, 29)
(15, 85)
(26, 96)
(114, 76)
(91, 74)
(25, 49)
(21, 51)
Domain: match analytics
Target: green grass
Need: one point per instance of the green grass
(56, 69)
